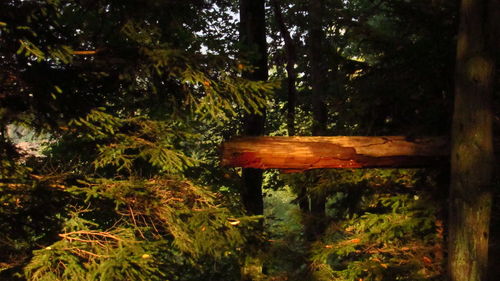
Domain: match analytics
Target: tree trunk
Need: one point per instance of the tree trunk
(319, 110)
(254, 52)
(318, 69)
(472, 156)
(295, 154)
(291, 58)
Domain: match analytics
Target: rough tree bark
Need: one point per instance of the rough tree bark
(254, 52)
(318, 83)
(472, 157)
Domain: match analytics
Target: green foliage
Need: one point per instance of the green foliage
(382, 224)
(123, 141)
(149, 220)
(389, 230)
(94, 255)
(400, 245)
(168, 206)
(30, 215)
(121, 90)
(134, 98)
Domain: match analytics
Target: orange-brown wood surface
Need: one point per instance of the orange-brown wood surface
(293, 154)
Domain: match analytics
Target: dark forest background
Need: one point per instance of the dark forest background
(112, 114)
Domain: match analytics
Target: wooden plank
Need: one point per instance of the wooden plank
(293, 154)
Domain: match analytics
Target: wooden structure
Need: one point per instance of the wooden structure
(295, 154)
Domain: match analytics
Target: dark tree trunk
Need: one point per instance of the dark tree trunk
(318, 83)
(318, 70)
(254, 52)
(291, 58)
(472, 156)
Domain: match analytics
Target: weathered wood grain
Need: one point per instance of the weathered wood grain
(303, 153)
